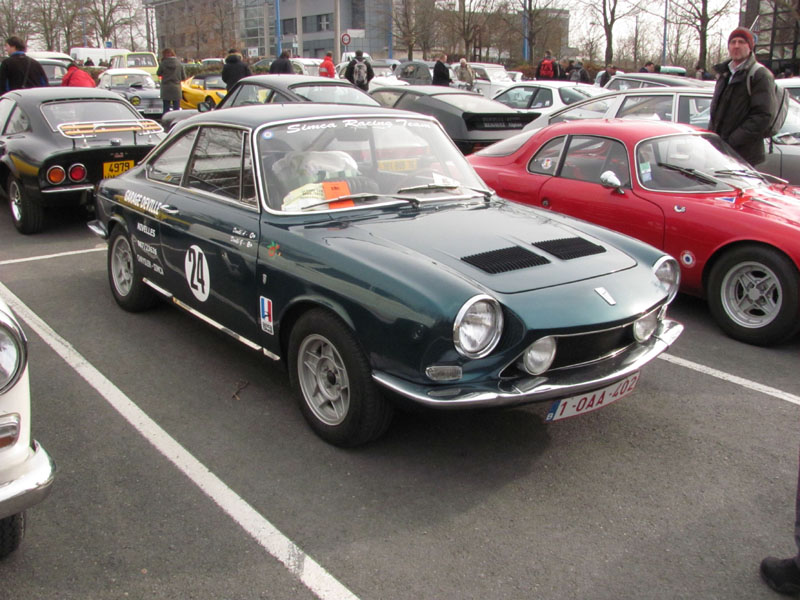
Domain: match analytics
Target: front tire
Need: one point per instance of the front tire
(124, 274)
(12, 530)
(27, 214)
(753, 295)
(332, 379)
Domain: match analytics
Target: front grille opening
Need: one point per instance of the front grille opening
(570, 248)
(505, 260)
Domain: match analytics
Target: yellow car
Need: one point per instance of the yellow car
(203, 87)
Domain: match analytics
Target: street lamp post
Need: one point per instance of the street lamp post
(664, 43)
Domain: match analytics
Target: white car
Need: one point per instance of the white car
(489, 78)
(26, 470)
(545, 97)
(792, 85)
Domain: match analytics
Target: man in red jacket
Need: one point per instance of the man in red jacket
(327, 68)
(76, 77)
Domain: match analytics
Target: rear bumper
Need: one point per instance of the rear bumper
(560, 384)
(29, 483)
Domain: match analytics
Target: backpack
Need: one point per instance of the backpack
(575, 75)
(779, 100)
(360, 73)
(546, 69)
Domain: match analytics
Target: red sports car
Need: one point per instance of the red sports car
(736, 234)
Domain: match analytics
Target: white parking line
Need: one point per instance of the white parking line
(746, 383)
(299, 564)
(15, 261)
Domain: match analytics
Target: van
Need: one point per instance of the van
(96, 54)
(146, 61)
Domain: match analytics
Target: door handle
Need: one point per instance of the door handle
(545, 203)
(170, 210)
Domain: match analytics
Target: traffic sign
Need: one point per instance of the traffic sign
(346, 39)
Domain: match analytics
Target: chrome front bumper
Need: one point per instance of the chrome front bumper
(29, 484)
(559, 384)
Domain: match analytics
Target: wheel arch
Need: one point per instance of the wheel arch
(723, 250)
(302, 306)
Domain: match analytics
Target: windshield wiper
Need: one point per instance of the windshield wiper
(692, 173)
(430, 187)
(362, 196)
(742, 172)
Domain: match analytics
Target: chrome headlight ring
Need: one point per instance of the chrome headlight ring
(478, 326)
(13, 352)
(668, 273)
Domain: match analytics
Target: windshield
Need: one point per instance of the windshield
(336, 94)
(685, 162)
(308, 165)
(214, 82)
(570, 95)
(145, 81)
(587, 110)
(498, 74)
(84, 111)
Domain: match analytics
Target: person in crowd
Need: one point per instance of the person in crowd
(701, 73)
(783, 574)
(465, 73)
(359, 72)
(580, 74)
(565, 67)
(77, 77)
(649, 67)
(171, 72)
(18, 70)
(282, 64)
(234, 68)
(610, 71)
(88, 62)
(742, 116)
(327, 68)
(441, 72)
(548, 67)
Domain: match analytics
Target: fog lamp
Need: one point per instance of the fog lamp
(539, 355)
(644, 327)
(9, 430)
(443, 372)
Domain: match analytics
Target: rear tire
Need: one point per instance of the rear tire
(12, 530)
(125, 276)
(753, 295)
(333, 382)
(27, 214)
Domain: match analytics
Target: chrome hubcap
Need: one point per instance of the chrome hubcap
(751, 295)
(323, 379)
(16, 201)
(122, 266)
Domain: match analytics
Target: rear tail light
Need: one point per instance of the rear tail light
(56, 175)
(77, 172)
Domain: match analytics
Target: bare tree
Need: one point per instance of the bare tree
(46, 23)
(108, 19)
(68, 15)
(222, 18)
(403, 20)
(15, 19)
(607, 13)
(699, 16)
(427, 21)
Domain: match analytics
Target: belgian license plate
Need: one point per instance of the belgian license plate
(578, 405)
(112, 169)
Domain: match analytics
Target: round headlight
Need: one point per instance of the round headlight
(669, 275)
(539, 355)
(478, 327)
(644, 327)
(12, 352)
(135, 100)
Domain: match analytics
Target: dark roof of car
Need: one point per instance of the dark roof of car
(428, 90)
(253, 116)
(663, 79)
(285, 81)
(45, 94)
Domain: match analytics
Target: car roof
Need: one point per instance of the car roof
(46, 94)
(285, 81)
(549, 83)
(661, 78)
(627, 130)
(428, 90)
(253, 116)
(125, 71)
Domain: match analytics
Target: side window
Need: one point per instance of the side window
(596, 109)
(249, 94)
(407, 101)
(657, 108)
(517, 97)
(386, 98)
(216, 165)
(544, 98)
(248, 178)
(480, 73)
(274, 97)
(168, 167)
(545, 161)
(589, 157)
(695, 110)
(18, 122)
(6, 106)
(408, 72)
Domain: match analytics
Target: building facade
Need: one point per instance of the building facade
(198, 29)
(775, 24)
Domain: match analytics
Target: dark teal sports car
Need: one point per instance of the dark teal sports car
(359, 247)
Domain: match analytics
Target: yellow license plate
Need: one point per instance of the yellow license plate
(112, 169)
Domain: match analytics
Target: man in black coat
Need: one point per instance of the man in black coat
(441, 72)
(740, 116)
(282, 64)
(19, 70)
(359, 72)
(235, 68)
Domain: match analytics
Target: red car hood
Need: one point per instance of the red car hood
(783, 205)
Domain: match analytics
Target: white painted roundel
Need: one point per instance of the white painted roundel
(196, 267)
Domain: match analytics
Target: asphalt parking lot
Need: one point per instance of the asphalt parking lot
(185, 469)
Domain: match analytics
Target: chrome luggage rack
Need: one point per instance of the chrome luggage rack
(89, 129)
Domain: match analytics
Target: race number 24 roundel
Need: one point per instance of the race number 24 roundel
(195, 266)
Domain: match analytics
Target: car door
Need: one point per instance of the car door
(576, 188)
(210, 233)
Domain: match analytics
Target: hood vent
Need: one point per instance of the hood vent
(505, 259)
(569, 248)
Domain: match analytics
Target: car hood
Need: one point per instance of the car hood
(781, 205)
(501, 247)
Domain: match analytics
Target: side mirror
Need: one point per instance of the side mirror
(203, 107)
(609, 179)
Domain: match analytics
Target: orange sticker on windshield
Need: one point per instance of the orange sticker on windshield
(337, 189)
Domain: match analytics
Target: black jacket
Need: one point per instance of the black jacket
(281, 65)
(234, 70)
(350, 73)
(742, 119)
(441, 74)
(21, 71)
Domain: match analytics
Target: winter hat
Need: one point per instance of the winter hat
(745, 34)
